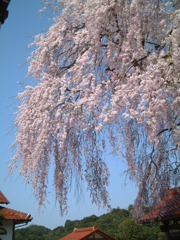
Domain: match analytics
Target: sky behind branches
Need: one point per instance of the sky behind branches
(16, 33)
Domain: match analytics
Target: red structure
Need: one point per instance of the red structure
(167, 211)
(3, 199)
(87, 233)
(9, 218)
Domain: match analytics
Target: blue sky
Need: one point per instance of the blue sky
(16, 33)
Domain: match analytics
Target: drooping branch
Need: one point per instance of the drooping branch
(107, 71)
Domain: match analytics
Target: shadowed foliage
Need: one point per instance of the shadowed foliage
(111, 223)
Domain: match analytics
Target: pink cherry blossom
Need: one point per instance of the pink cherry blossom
(106, 71)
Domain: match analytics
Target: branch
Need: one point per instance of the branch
(134, 63)
(166, 129)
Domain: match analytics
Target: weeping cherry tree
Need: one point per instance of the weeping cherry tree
(106, 72)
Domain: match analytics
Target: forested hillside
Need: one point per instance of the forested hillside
(118, 223)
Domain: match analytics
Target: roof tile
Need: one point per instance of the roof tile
(82, 233)
(168, 208)
(3, 199)
(17, 216)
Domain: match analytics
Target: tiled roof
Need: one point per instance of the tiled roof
(3, 199)
(167, 209)
(16, 216)
(82, 233)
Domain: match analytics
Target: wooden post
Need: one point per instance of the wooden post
(167, 236)
(13, 235)
(165, 228)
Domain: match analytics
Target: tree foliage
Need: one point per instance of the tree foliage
(108, 223)
(105, 71)
(131, 230)
(34, 232)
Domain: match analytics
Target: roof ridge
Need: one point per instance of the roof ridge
(83, 233)
(93, 228)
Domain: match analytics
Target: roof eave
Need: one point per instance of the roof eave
(16, 222)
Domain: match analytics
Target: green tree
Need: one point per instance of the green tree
(34, 232)
(152, 231)
(130, 229)
(117, 223)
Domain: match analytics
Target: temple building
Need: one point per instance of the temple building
(167, 212)
(87, 233)
(9, 219)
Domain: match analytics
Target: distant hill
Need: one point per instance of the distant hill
(109, 223)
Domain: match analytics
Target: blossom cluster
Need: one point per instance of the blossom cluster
(106, 71)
